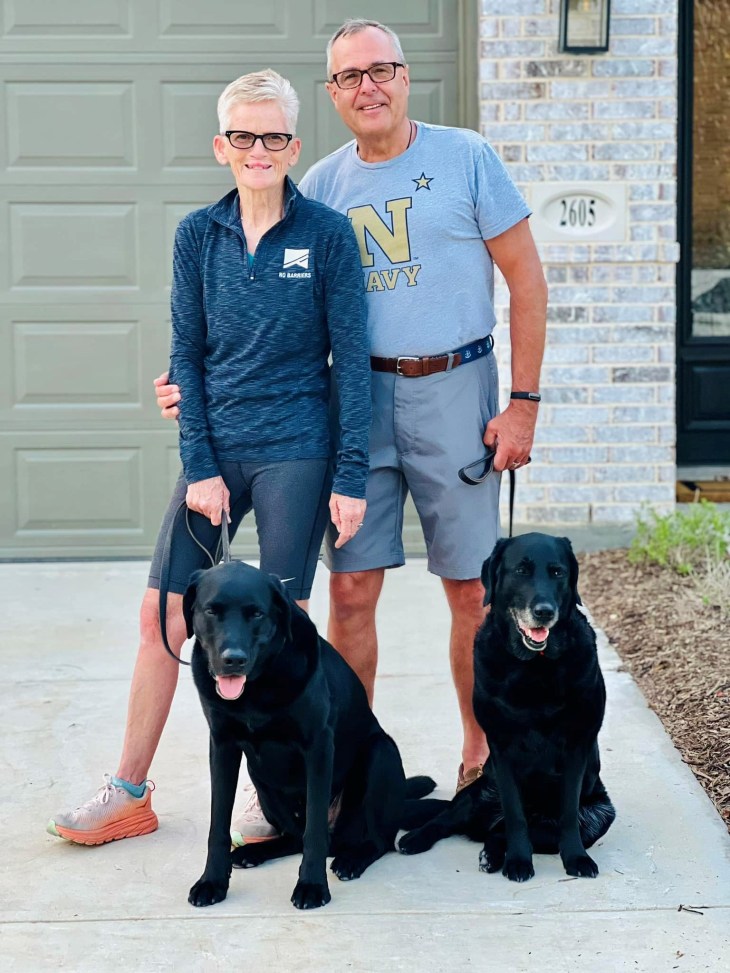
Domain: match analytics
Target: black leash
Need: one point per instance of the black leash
(222, 551)
(512, 482)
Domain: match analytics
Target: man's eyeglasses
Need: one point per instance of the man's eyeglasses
(379, 73)
(273, 141)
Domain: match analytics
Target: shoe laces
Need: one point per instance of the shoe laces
(103, 795)
(252, 805)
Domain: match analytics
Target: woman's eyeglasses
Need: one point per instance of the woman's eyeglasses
(273, 141)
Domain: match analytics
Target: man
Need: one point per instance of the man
(433, 210)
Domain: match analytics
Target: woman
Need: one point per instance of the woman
(265, 284)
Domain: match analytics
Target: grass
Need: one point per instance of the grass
(694, 541)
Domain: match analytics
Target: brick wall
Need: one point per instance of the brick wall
(606, 433)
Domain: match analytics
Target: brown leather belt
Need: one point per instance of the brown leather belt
(410, 366)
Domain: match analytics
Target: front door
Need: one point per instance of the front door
(703, 286)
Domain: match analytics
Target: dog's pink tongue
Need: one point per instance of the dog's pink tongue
(537, 634)
(230, 687)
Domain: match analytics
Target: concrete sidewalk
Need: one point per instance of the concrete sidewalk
(68, 650)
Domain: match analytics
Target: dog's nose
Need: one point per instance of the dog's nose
(543, 611)
(233, 658)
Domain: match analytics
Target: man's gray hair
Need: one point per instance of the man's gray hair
(258, 86)
(355, 25)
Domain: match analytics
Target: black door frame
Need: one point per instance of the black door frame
(699, 443)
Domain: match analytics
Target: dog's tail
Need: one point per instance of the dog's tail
(418, 787)
(417, 813)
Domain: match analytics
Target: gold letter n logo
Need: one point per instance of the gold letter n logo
(392, 240)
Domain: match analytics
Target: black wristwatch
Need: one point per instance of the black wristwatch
(532, 396)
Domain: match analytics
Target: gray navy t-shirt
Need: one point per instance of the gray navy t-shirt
(421, 220)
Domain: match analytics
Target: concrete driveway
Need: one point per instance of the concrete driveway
(661, 902)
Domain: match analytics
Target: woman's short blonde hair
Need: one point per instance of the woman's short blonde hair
(264, 85)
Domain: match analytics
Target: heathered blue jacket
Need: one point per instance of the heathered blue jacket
(250, 343)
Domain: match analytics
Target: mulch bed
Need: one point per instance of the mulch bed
(678, 651)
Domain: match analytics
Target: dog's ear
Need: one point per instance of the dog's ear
(189, 601)
(572, 571)
(282, 603)
(490, 569)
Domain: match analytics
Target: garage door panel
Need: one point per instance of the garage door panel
(77, 125)
(412, 19)
(34, 20)
(82, 245)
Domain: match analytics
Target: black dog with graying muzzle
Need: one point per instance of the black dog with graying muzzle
(272, 688)
(540, 698)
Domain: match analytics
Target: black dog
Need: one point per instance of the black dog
(540, 698)
(272, 688)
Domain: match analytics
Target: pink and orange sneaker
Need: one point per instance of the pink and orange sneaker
(112, 813)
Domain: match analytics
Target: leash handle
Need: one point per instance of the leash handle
(164, 581)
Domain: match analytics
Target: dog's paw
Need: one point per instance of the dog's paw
(205, 892)
(414, 842)
(491, 857)
(348, 866)
(248, 856)
(518, 869)
(581, 866)
(310, 895)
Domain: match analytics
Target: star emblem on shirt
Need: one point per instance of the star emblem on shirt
(423, 182)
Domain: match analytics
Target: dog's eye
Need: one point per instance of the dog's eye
(257, 613)
(210, 611)
(556, 572)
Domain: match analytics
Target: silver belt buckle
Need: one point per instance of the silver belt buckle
(401, 358)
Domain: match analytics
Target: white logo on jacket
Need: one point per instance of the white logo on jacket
(296, 258)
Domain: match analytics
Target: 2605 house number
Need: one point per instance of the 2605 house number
(570, 212)
(578, 211)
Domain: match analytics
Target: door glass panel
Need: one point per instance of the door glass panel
(711, 171)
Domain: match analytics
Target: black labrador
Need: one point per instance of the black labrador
(271, 687)
(540, 698)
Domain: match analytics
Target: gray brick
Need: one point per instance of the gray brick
(615, 513)
(641, 454)
(636, 131)
(556, 275)
(652, 213)
(580, 90)
(643, 191)
(512, 112)
(511, 153)
(570, 295)
(655, 333)
(522, 48)
(564, 334)
(624, 395)
(623, 354)
(509, 132)
(583, 131)
(584, 455)
(625, 109)
(554, 473)
(590, 493)
(632, 313)
(565, 67)
(655, 89)
(642, 414)
(527, 8)
(539, 27)
(566, 355)
(565, 313)
(627, 67)
(567, 436)
(661, 492)
(654, 374)
(629, 7)
(590, 415)
(626, 434)
(643, 46)
(551, 396)
(576, 173)
(551, 153)
(503, 92)
(567, 514)
(634, 26)
(557, 111)
(643, 233)
(624, 150)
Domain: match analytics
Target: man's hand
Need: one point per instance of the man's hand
(209, 497)
(347, 515)
(511, 433)
(167, 396)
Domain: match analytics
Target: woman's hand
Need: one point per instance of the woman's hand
(167, 396)
(209, 497)
(347, 515)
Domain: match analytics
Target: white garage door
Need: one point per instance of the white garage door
(108, 111)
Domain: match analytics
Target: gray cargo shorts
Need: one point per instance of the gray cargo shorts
(423, 431)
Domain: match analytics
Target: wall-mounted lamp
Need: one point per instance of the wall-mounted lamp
(584, 26)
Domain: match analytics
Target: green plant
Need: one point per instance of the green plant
(689, 540)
